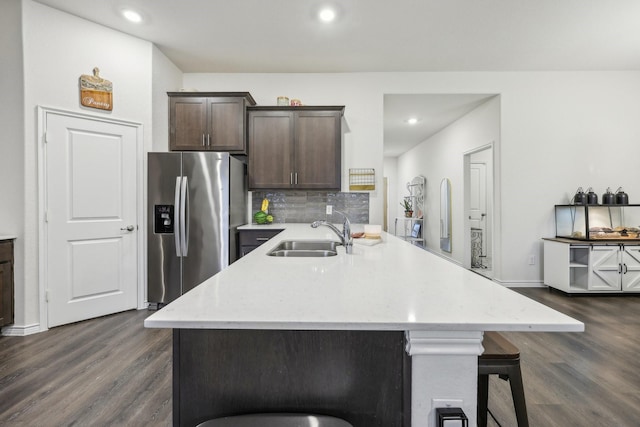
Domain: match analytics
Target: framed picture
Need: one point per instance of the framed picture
(415, 231)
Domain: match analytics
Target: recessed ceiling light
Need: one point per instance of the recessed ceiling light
(412, 121)
(132, 15)
(327, 15)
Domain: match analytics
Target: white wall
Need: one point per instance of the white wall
(166, 78)
(390, 171)
(442, 156)
(558, 131)
(12, 135)
(57, 49)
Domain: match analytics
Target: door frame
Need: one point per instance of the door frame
(494, 218)
(42, 113)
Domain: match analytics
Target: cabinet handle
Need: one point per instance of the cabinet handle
(625, 269)
(291, 178)
(203, 140)
(296, 178)
(262, 239)
(619, 268)
(208, 140)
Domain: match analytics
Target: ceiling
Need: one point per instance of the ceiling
(433, 112)
(284, 36)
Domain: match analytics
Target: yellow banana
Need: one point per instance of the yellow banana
(265, 204)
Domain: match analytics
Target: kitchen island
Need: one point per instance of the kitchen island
(421, 314)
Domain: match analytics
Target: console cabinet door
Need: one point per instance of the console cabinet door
(631, 268)
(605, 268)
(271, 149)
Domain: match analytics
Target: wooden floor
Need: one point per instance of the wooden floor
(113, 372)
(109, 371)
(586, 379)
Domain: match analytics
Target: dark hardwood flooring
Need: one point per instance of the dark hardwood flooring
(586, 379)
(112, 371)
(109, 371)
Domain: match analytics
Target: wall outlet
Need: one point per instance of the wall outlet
(329, 209)
(532, 259)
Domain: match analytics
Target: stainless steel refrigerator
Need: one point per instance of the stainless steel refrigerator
(196, 201)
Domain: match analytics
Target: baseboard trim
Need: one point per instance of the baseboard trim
(21, 331)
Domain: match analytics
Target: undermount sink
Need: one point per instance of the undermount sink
(305, 248)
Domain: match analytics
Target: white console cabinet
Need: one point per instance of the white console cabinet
(591, 267)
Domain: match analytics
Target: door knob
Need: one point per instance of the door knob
(128, 228)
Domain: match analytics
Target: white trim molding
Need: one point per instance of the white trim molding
(443, 343)
(21, 331)
(444, 365)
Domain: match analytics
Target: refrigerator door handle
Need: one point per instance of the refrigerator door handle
(184, 215)
(178, 219)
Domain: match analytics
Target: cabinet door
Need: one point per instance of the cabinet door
(631, 268)
(6, 294)
(225, 127)
(317, 152)
(6, 283)
(187, 123)
(605, 268)
(271, 149)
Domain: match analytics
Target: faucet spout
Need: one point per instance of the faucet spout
(345, 234)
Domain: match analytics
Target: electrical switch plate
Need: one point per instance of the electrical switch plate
(532, 260)
(329, 209)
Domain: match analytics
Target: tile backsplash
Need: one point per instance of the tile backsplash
(309, 206)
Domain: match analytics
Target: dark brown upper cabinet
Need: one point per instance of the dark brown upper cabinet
(208, 121)
(295, 147)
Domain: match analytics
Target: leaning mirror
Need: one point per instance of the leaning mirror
(445, 215)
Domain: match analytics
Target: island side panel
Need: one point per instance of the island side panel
(360, 376)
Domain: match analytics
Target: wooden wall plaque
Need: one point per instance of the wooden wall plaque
(96, 92)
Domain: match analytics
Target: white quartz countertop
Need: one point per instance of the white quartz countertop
(390, 286)
(7, 237)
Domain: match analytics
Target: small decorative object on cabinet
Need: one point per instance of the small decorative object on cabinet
(295, 147)
(6, 282)
(208, 121)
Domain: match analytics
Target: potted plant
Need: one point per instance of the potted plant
(408, 207)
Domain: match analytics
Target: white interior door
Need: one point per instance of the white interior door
(478, 204)
(90, 217)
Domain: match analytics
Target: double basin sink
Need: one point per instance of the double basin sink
(305, 248)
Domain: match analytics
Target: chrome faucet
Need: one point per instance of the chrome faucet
(345, 235)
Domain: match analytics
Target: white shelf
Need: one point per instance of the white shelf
(406, 230)
(575, 264)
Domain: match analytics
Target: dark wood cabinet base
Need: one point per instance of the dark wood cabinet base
(6, 283)
(362, 377)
